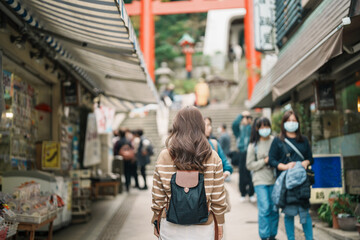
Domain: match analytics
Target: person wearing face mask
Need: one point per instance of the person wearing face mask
(257, 161)
(242, 130)
(285, 151)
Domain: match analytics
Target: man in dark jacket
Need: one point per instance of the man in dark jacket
(144, 151)
(242, 130)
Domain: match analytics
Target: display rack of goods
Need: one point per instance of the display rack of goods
(8, 222)
(81, 204)
(32, 206)
(18, 125)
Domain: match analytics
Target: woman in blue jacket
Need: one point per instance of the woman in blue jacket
(287, 149)
(227, 168)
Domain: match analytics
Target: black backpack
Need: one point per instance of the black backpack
(188, 203)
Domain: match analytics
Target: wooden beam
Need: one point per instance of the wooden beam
(180, 7)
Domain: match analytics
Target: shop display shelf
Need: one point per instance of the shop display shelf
(52, 213)
(31, 219)
(11, 228)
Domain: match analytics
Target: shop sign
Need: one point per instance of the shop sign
(264, 20)
(50, 157)
(70, 93)
(92, 151)
(328, 177)
(325, 95)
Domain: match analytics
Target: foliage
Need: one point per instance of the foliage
(184, 86)
(276, 121)
(168, 31)
(343, 203)
(304, 118)
(324, 213)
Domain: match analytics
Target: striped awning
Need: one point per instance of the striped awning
(317, 40)
(97, 39)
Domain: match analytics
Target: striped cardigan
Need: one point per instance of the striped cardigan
(214, 185)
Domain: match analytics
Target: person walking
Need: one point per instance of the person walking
(224, 139)
(288, 151)
(242, 130)
(124, 148)
(188, 153)
(227, 168)
(257, 161)
(143, 154)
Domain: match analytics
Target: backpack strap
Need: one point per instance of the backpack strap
(294, 148)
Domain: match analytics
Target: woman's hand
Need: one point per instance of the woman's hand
(266, 160)
(226, 174)
(305, 163)
(156, 232)
(284, 167)
(220, 232)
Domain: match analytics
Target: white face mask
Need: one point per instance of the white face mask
(291, 126)
(218, 130)
(264, 132)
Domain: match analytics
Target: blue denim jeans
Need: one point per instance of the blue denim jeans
(268, 218)
(290, 228)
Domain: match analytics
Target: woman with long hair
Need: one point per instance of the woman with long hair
(287, 151)
(187, 149)
(257, 161)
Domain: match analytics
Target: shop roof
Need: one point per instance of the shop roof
(317, 40)
(97, 39)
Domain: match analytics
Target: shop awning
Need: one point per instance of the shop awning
(96, 38)
(317, 40)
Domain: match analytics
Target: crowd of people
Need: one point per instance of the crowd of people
(189, 197)
(135, 150)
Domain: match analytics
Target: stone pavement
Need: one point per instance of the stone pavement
(128, 217)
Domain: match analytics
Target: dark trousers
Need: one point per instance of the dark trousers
(245, 182)
(143, 174)
(130, 169)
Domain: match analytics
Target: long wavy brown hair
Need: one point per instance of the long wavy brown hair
(187, 144)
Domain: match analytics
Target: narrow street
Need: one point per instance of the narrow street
(128, 217)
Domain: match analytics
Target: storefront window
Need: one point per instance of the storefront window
(338, 131)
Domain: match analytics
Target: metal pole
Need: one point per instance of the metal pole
(253, 61)
(2, 100)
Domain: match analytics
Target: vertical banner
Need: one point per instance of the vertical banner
(264, 22)
(2, 101)
(92, 150)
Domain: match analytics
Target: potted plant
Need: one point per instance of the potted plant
(324, 213)
(343, 209)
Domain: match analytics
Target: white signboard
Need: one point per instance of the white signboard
(92, 150)
(264, 23)
(104, 119)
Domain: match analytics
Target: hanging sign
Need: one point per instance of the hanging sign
(50, 158)
(92, 151)
(325, 95)
(264, 20)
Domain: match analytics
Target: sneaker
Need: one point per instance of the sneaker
(252, 199)
(242, 199)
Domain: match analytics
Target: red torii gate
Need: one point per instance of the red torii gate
(148, 8)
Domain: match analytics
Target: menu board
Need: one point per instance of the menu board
(325, 95)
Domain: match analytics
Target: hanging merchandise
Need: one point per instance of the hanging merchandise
(17, 147)
(92, 151)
